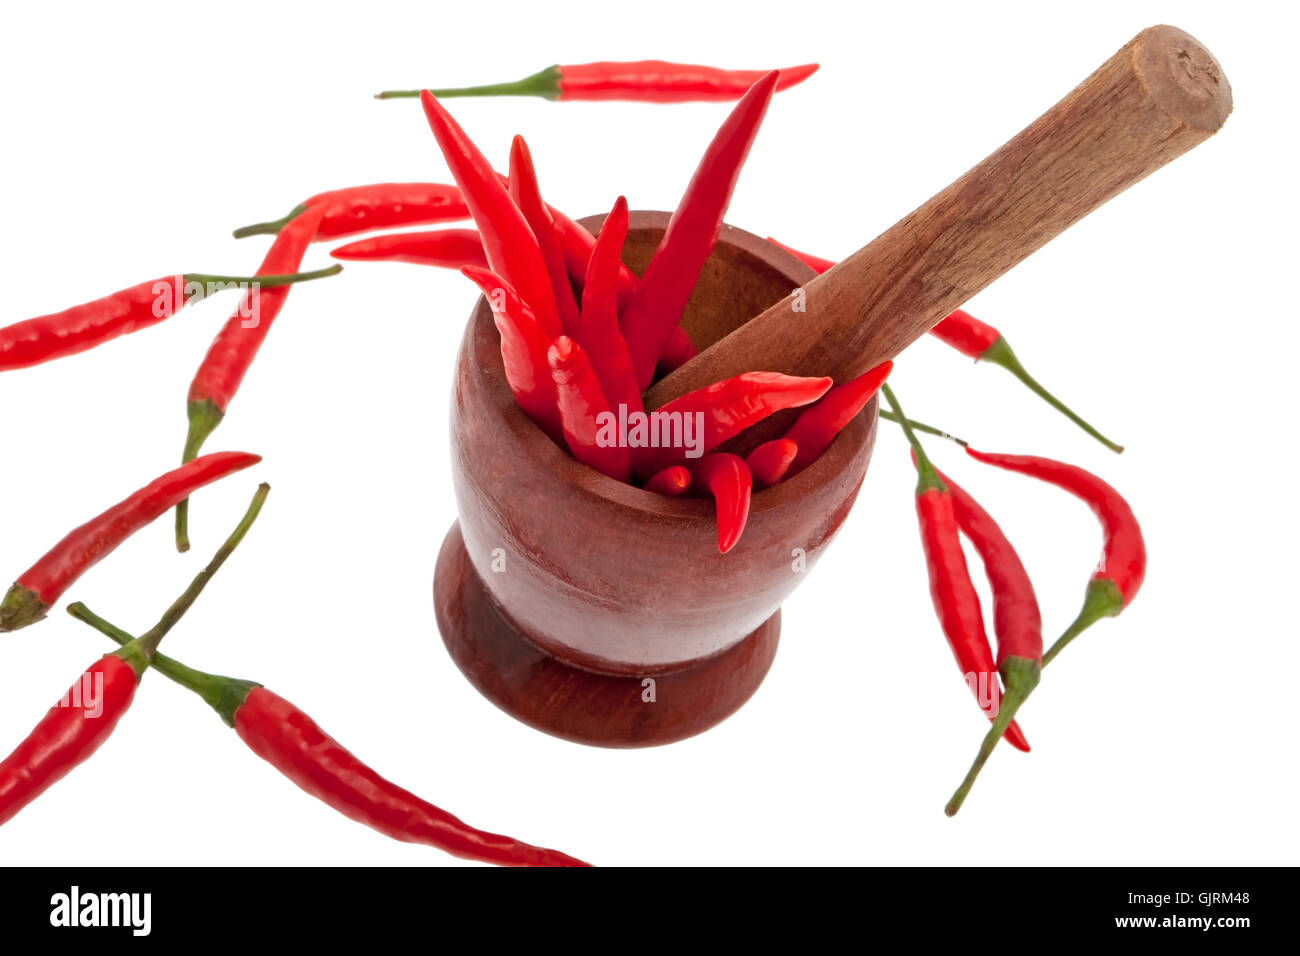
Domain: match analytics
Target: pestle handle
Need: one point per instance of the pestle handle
(1152, 101)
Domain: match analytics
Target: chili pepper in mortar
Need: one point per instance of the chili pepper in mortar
(295, 745)
(816, 427)
(596, 328)
(770, 461)
(85, 326)
(512, 249)
(728, 480)
(678, 350)
(523, 350)
(955, 600)
(980, 341)
(448, 248)
(577, 243)
(728, 408)
(44, 582)
(87, 714)
(645, 81)
(1016, 621)
(376, 206)
(527, 194)
(233, 350)
(669, 279)
(673, 481)
(1116, 582)
(585, 414)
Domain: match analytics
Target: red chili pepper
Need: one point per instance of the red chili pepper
(596, 329)
(956, 602)
(527, 194)
(726, 408)
(816, 427)
(232, 352)
(83, 327)
(578, 243)
(644, 81)
(448, 248)
(377, 206)
(523, 350)
(677, 352)
(590, 426)
(87, 714)
(295, 745)
(1016, 620)
(728, 480)
(1116, 582)
(44, 582)
(980, 341)
(770, 461)
(511, 247)
(669, 279)
(674, 481)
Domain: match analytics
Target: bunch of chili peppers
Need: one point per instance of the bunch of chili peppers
(582, 338)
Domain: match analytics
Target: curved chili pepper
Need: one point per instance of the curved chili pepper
(448, 248)
(1116, 582)
(678, 350)
(816, 427)
(979, 341)
(44, 582)
(643, 81)
(596, 329)
(673, 481)
(87, 714)
(577, 244)
(669, 279)
(232, 352)
(85, 326)
(728, 408)
(523, 350)
(295, 745)
(511, 247)
(770, 461)
(527, 194)
(1016, 620)
(728, 480)
(956, 602)
(367, 208)
(590, 425)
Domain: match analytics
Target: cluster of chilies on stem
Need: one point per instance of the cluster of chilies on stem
(945, 512)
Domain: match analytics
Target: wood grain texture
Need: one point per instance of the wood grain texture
(1159, 96)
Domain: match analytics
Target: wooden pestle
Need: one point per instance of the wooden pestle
(1152, 101)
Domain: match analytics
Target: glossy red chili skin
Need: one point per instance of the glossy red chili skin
(1017, 620)
(85, 326)
(957, 604)
(728, 408)
(1124, 555)
(67, 735)
(658, 81)
(729, 481)
(84, 546)
(294, 744)
(357, 209)
(967, 334)
(577, 243)
(527, 194)
(583, 408)
(512, 249)
(770, 461)
(236, 345)
(445, 248)
(692, 231)
(596, 328)
(816, 427)
(673, 481)
(678, 350)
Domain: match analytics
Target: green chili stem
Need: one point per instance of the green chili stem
(927, 478)
(265, 282)
(1021, 676)
(269, 228)
(544, 83)
(999, 353)
(889, 416)
(1102, 599)
(204, 417)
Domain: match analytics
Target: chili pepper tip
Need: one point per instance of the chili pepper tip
(20, 607)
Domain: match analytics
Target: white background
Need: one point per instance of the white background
(138, 136)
